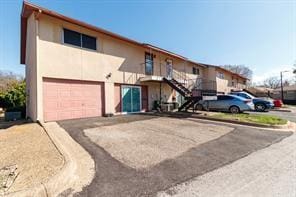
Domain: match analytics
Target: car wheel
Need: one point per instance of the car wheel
(234, 109)
(260, 107)
(199, 107)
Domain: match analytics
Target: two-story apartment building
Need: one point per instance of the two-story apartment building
(226, 81)
(76, 70)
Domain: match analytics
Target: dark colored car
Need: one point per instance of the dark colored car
(259, 103)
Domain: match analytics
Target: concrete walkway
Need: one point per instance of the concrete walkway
(268, 172)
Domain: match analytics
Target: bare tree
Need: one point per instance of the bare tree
(7, 78)
(240, 69)
(272, 82)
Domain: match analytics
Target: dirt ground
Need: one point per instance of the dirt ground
(29, 147)
(145, 143)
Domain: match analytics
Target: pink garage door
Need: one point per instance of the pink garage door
(70, 99)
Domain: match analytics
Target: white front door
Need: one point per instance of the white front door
(169, 69)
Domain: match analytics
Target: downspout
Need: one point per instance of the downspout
(39, 91)
(160, 84)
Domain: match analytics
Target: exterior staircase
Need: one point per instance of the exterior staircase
(192, 90)
(185, 92)
(179, 87)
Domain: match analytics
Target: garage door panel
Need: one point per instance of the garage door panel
(51, 92)
(91, 104)
(76, 104)
(64, 115)
(89, 94)
(78, 114)
(52, 105)
(91, 112)
(65, 105)
(64, 93)
(51, 115)
(76, 92)
(69, 99)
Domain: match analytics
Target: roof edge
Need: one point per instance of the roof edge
(28, 8)
(219, 67)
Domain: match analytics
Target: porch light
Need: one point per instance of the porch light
(108, 75)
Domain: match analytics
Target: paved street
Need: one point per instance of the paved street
(268, 172)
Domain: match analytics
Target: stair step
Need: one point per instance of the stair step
(179, 87)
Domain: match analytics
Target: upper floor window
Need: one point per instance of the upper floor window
(195, 71)
(220, 75)
(79, 39)
(148, 64)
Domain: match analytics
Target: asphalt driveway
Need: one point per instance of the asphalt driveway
(114, 177)
(146, 143)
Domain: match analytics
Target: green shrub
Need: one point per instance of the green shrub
(14, 96)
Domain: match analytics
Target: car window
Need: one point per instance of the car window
(225, 97)
(243, 95)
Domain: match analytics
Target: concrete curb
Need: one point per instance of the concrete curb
(77, 172)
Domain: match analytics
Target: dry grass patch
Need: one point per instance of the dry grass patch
(29, 147)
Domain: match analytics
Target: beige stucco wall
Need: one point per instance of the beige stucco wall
(123, 60)
(154, 93)
(210, 73)
(224, 85)
(31, 69)
(109, 97)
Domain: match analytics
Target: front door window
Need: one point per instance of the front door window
(169, 69)
(131, 99)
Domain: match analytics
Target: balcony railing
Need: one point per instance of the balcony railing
(187, 79)
(240, 86)
(194, 83)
